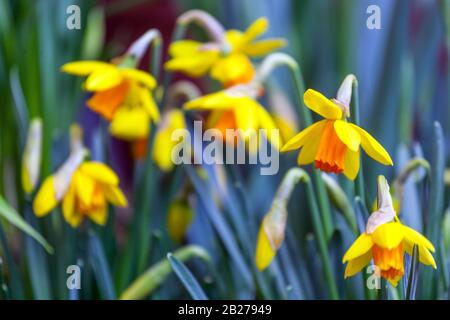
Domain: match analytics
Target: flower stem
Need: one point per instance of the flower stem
(321, 240)
(359, 184)
(324, 205)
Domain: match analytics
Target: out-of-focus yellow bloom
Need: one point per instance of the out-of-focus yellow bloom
(236, 108)
(84, 187)
(179, 219)
(272, 229)
(385, 240)
(334, 144)
(162, 150)
(122, 95)
(31, 160)
(447, 176)
(227, 60)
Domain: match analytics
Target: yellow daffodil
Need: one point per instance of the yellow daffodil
(84, 187)
(333, 144)
(385, 240)
(122, 95)
(227, 57)
(236, 108)
(162, 150)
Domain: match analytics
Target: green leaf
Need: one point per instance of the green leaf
(155, 275)
(8, 212)
(100, 266)
(186, 277)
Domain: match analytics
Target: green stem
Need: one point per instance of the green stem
(324, 205)
(359, 184)
(321, 240)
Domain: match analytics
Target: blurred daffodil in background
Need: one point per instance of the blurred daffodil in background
(333, 144)
(226, 57)
(385, 240)
(121, 94)
(84, 187)
(237, 108)
(164, 143)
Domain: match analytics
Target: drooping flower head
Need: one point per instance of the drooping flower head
(333, 144)
(84, 187)
(385, 240)
(226, 57)
(272, 230)
(122, 94)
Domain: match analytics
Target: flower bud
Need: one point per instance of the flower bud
(31, 160)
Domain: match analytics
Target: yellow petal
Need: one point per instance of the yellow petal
(45, 200)
(100, 172)
(388, 235)
(246, 118)
(27, 185)
(115, 196)
(184, 48)
(355, 265)
(72, 216)
(99, 216)
(361, 245)
(140, 76)
(83, 68)
(264, 252)
(162, 152)
(214, 101)
(195, 66)
(349, 136)
(425, 256)
(372, 147)
(149, 104)
(416, 238)
(351, 164)
(256, 29)
(84, 187)
(233, 69)
(266, 122)
(263, 47)
(103, 79)
(309, 150)
(130, 124)
(314, 131)
(320, 104)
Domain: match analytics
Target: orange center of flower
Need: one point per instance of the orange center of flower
(106, 102)
(227, 120)
(390, 262)
(331, 152)
(98, 201)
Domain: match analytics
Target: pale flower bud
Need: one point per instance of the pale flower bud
(31, 160)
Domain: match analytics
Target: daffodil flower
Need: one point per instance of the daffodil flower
(121, 95)
(227, 56)
(84, 187)
(333, 144)
(236, 108)
(162, 152)
(385, 240)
